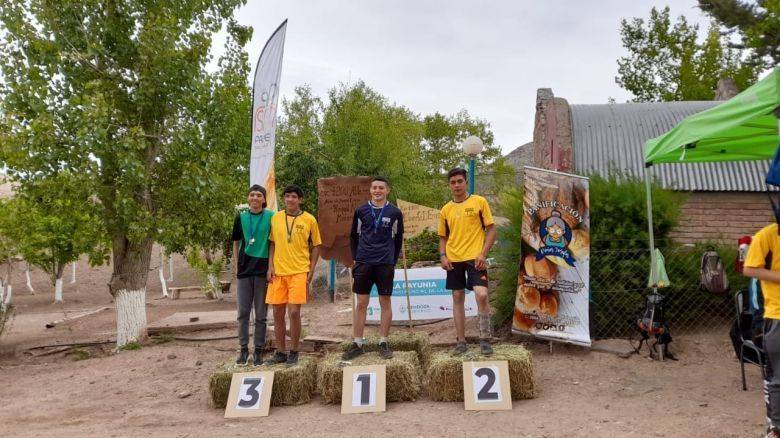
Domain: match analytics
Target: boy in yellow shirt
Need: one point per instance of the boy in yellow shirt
(466, 234)
(292, 256)
(763, 262)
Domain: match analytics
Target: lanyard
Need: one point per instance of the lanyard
(377, 219)
(253, 227)
(290, 227)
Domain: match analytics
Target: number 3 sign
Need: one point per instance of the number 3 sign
(250, 394)
(486, 386)
(363, 389)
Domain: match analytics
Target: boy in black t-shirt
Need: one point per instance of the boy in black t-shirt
(376, 238)
(250, 267)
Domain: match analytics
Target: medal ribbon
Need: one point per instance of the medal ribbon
(377, 219)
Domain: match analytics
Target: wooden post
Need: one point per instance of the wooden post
(406, 284)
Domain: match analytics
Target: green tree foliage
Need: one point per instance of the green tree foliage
(508, 252)
(756, 23)
(618, 212)
(666, 62)
(357, 131)
(117, 93)
(57, 221)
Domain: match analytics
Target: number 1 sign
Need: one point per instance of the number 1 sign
(250, 394)
(363, 389)
(486, 386)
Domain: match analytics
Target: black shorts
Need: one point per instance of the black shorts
(366, 276)
(464, 275)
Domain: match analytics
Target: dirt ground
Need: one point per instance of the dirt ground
(161, 389)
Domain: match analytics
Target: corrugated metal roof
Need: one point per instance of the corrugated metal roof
(613, 136)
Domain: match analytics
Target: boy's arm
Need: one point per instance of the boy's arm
(762, 274)
(445, 263)
(490, 239)
(270, 274)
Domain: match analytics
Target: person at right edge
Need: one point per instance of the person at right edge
(761, 263)
(466, 234)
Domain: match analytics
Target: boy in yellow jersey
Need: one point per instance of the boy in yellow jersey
(466, 234)
(763, 262)
(295, 240)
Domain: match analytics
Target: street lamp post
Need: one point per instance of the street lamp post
(472, 146)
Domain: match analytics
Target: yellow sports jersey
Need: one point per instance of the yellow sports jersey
(463, 224)
(764, 242)
(291, 241)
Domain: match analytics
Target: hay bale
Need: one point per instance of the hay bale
(292, 386)
(445, 373)
(418, 342)
(403, 374)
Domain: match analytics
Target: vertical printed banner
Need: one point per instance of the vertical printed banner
(265, 96)
(553, 282)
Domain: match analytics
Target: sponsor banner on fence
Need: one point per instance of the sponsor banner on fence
(553, 283)
(428, 296)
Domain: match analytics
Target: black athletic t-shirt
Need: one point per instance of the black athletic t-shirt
(248, 266)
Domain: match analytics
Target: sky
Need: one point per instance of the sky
(488, 57)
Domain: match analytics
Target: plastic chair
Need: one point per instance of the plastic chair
(744, 319)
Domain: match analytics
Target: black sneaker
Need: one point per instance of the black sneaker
(384, 351)
(258, 356)
(292, 358)
(485, 348)
(460, 348)
(353, 351)
(278, 357)
(243, 357)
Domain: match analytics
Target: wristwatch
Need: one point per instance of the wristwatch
(442, 254)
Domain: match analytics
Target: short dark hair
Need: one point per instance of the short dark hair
(458, 171)
(381, 178)
(293, 189)
(261, 189)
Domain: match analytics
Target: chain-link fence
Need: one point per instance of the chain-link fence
(618, 282)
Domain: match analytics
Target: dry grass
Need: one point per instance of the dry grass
(418, 342)
(292, 386)
(445, 374)
(403, 375)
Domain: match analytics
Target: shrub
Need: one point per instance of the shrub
(422, 248)
(507, 254)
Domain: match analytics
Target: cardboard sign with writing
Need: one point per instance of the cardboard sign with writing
(486, 386)
(250, 394)
(418, 218)
(338, 198)
(363, 389)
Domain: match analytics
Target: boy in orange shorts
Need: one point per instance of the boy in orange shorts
(292, 255)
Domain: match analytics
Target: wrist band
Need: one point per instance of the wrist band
(442, 254)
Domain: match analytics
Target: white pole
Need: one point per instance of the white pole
(649, 197)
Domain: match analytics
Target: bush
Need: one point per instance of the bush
(508, 255)
(618, 212)
(422, 248)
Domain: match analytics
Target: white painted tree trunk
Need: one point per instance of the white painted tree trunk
(58, 290)
(73, 273)
(130, 316)
(162, 282)
(29, 279)
(170, 268)
(8, 294)
(215, 286)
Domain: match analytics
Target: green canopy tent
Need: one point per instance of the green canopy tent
(746, 127)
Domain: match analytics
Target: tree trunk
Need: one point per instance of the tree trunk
(29, 279)
(170, 267)
(73, 275)
(7, 291)
(58, 283)
(128, 287)
(162, 274)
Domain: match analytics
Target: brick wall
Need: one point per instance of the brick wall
(722, 216)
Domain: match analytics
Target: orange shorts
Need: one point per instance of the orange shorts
(287, 289)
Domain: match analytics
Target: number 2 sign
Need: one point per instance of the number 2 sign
(363, 389)
(486, 386)
(250, 394)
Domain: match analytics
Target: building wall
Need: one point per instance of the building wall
(722, 216)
